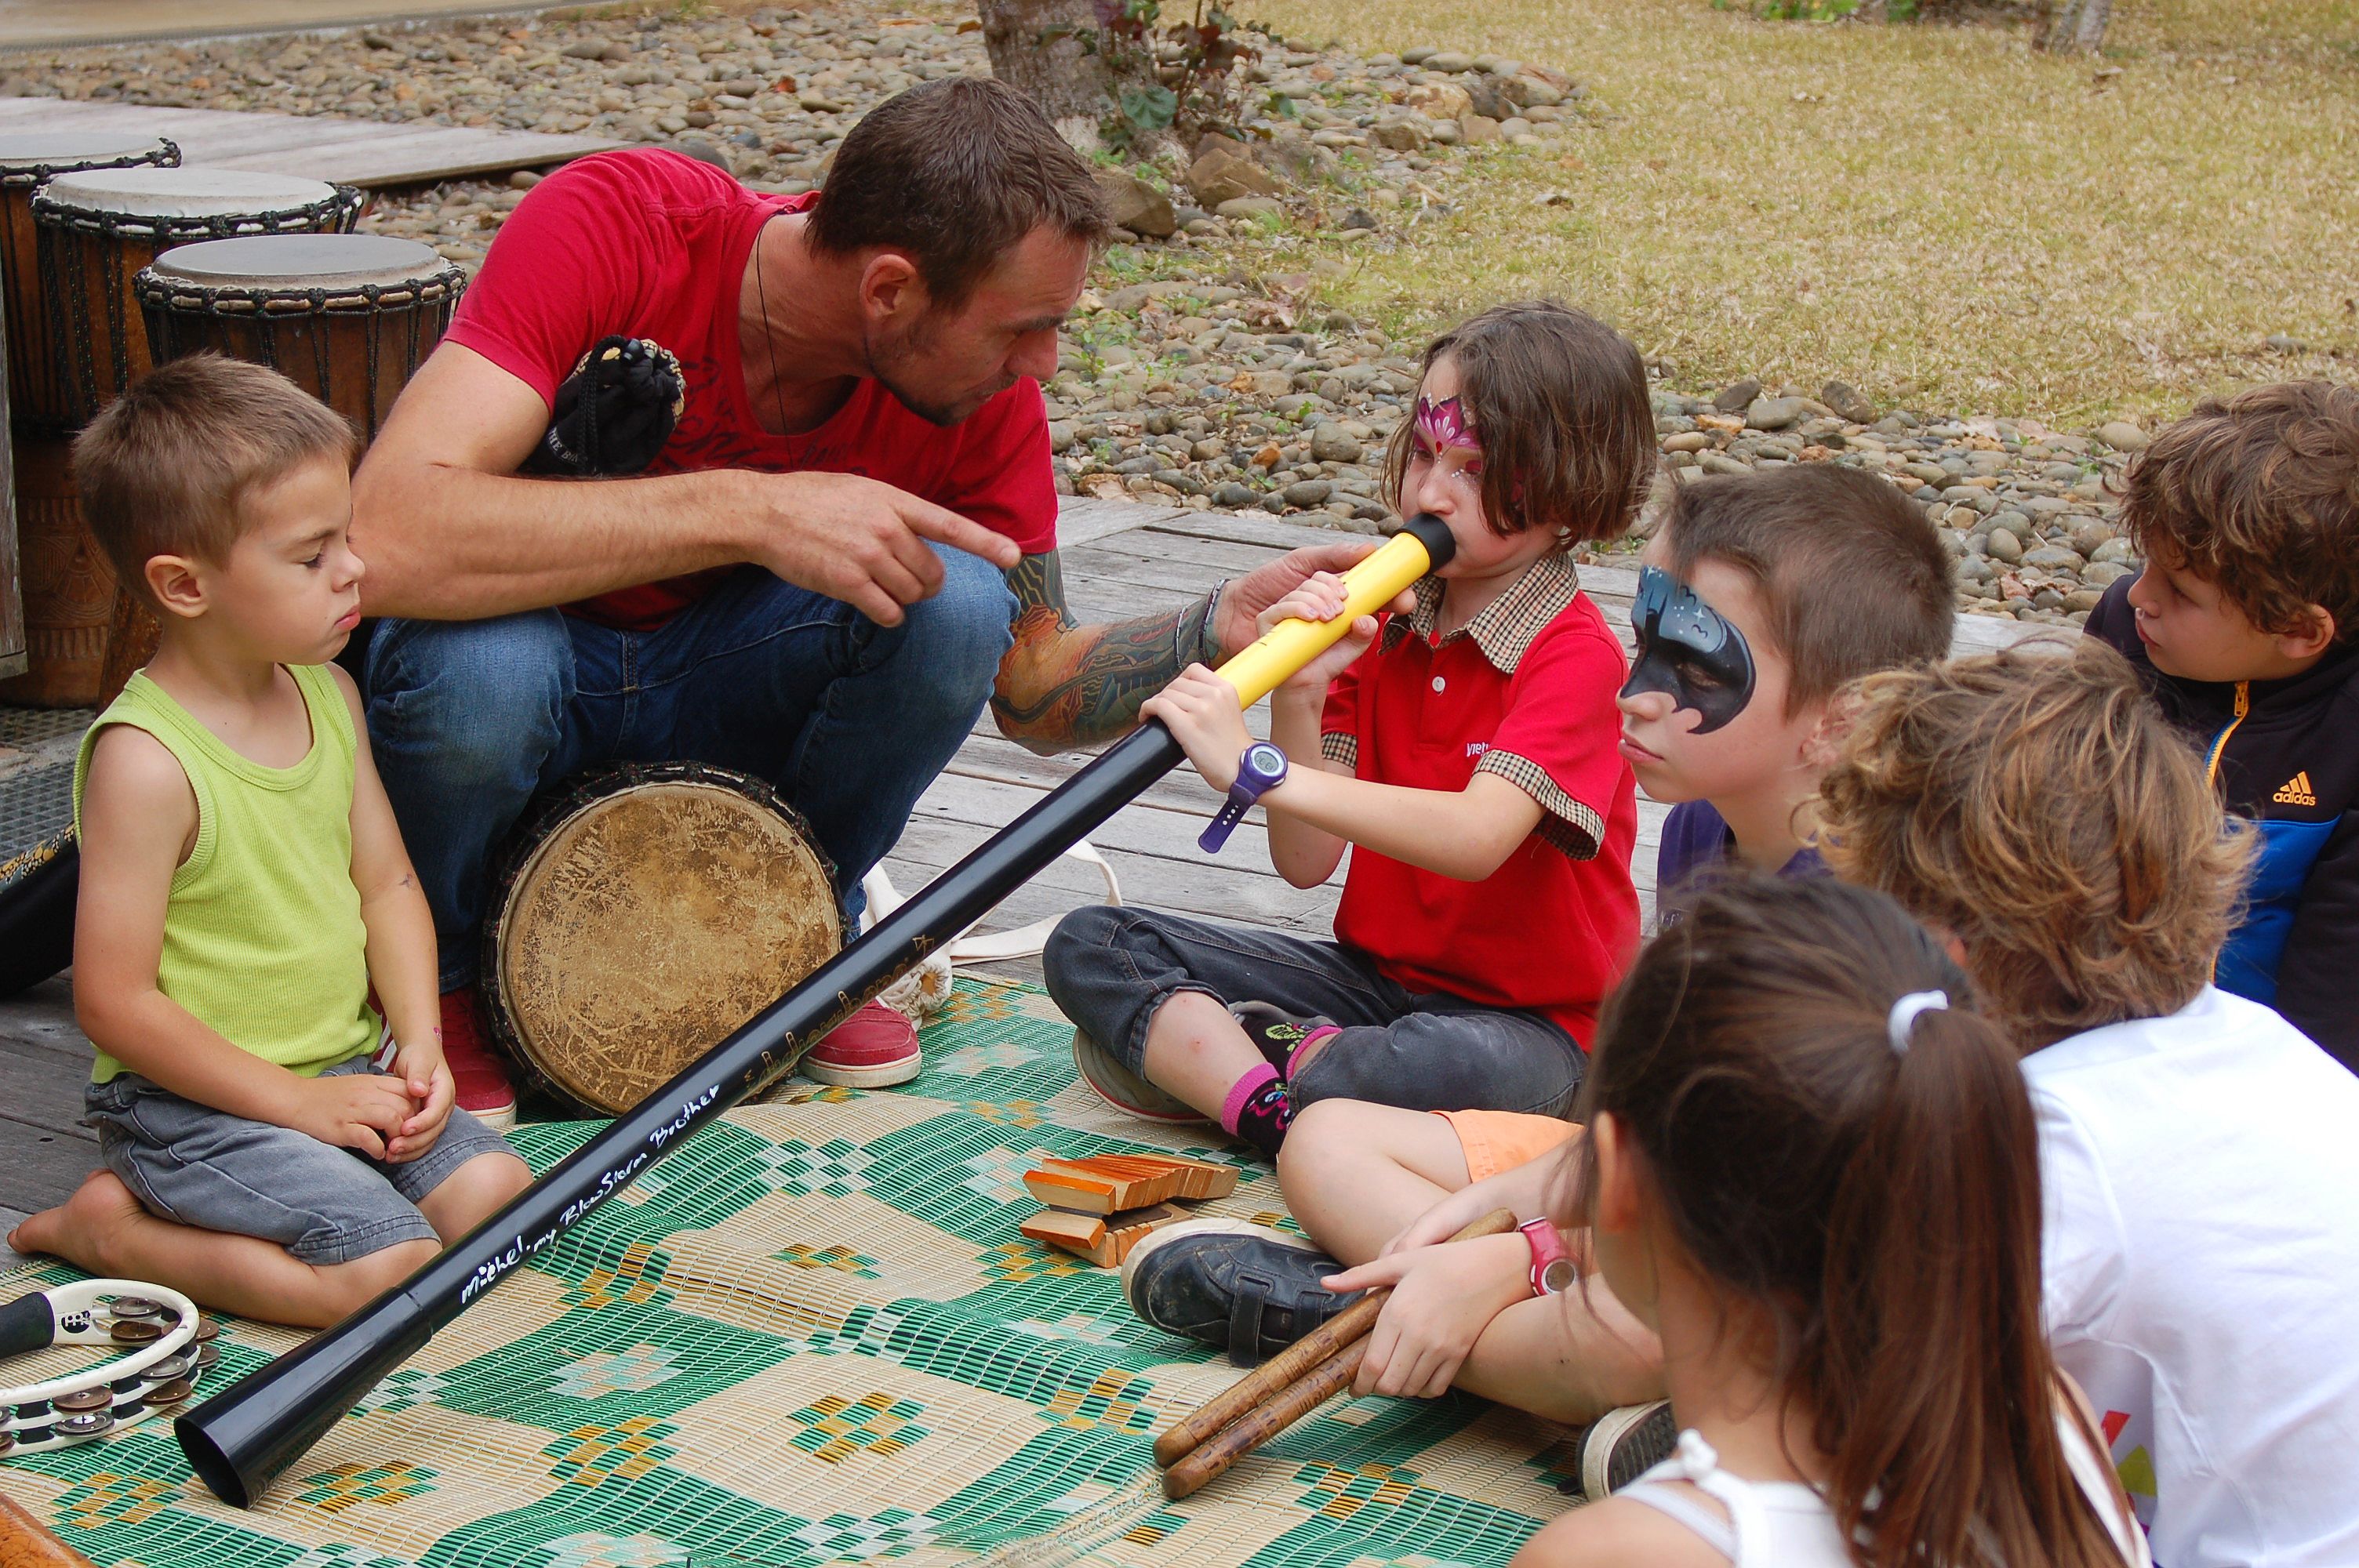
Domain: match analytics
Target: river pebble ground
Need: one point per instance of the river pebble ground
(1200, 369)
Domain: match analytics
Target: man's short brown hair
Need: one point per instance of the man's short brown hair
(163, 469)
(953, 174)
(2258, 494)
(2037, 805)
(1853, 576)
(1559, 401)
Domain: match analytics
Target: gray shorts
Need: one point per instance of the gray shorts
(204, 1167)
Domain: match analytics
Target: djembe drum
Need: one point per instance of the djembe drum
(68, 587)
(96, 230)
(639, 915)
(346, 317)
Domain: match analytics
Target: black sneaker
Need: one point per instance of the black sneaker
(1275, 1034)
(1622, 1445)
(1235, 1286)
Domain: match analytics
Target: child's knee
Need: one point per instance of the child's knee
(474, 1190)
(1078, 944)
(346, 1287)
(1325, 1137)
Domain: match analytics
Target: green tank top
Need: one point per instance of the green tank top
(262, 937)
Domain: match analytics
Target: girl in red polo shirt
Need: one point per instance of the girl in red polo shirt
(1466, 748)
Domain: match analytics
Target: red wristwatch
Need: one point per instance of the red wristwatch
(1552, 1267)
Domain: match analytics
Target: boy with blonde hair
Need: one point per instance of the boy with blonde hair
(274, 1147)
(2202, 1275)
(2244, 626)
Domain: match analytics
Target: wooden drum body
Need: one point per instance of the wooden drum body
(94, 231)
(639, 915)
(346, 316)
(67, 581)
(37, 399)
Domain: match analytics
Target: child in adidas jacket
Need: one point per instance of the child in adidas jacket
(2244, 626)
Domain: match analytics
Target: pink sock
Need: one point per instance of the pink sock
(1307, 1042)
(1242, 1094)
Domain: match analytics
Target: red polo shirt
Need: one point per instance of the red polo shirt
(653, 245)
(1526, 691)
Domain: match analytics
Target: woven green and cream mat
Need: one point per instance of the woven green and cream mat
(814, 1336)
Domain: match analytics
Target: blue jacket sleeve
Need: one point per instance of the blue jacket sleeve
(2317, 979)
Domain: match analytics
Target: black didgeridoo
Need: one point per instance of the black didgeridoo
(239, 1440)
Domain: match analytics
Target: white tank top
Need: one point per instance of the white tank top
(1785, 1524)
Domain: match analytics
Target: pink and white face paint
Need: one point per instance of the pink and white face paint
(1441, 426)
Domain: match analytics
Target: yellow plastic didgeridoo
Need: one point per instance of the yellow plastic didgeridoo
(1423, 545)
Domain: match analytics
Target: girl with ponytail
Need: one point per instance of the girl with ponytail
(1812, 1170)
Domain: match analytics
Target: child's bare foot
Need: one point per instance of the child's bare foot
(83, 1229)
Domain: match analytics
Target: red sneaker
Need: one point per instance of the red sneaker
(872, 1049)
(481, 1076)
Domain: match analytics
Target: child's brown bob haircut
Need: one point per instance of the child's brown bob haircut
(2037, 806)
(164, 468)
(2259, 496)
(1558, 400)
(1851, 574)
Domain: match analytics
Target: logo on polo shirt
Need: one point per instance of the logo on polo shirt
(2295, 791)
(1476, 748)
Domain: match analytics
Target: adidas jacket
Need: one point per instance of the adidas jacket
(2286, 754)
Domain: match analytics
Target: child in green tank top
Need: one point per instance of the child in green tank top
(274, 1147)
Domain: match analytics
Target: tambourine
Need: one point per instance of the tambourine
(168, 1345)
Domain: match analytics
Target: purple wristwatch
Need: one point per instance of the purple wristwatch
(1260, 771)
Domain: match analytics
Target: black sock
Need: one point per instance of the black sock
(1264, 1118)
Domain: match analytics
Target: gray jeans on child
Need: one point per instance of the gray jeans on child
(200, 1166)
(1109, 970)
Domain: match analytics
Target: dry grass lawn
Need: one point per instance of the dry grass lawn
(1934, 213)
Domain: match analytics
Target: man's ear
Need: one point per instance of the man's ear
(2313, 637)
(890, 289)
(1823, 747)
(173, 583)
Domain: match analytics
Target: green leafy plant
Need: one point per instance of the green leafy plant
(1187, 76)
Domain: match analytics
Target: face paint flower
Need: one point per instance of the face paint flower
(1444, 425)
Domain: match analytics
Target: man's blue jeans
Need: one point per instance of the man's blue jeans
(850, 720)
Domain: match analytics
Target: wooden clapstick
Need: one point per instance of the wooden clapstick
(1262, 1422)
(1312, 1350)
(1103, 1241)
(1108, 1183)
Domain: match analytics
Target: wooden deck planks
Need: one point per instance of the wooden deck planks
(316, 147)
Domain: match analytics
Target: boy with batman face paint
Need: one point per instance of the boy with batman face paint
(1760, 598)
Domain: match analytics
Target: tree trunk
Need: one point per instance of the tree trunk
(1043, 49)
(2078, 26)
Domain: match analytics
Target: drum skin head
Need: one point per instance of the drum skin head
(66, 149)
(185, 192)
(645, 923)
(331, 262)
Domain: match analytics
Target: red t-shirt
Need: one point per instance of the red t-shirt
(653, 245)
(1555, 926)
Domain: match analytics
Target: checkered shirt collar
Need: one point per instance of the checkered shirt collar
(1506, 627)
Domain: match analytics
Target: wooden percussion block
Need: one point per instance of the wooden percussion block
(1104, 1242)
(1107, 1184)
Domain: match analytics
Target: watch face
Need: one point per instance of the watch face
(1265, 760)
(1558, 1276)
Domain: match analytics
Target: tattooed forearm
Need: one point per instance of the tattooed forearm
(1064, 684)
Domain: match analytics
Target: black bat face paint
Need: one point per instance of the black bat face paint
(1687, 649)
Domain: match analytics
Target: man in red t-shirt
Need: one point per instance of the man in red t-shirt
(845, 548)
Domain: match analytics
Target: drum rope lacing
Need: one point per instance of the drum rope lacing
(419, 302)
(26, 364)
(337, 214)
